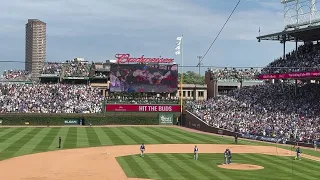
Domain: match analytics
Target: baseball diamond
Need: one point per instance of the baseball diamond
(168, 155)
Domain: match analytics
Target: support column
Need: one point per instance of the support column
(284, 48)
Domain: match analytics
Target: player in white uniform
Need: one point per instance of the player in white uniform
(142, 149)
(195, 151)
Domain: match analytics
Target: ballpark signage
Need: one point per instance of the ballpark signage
(141, 108)
(166, 119)
(126, 59)
(293, 75)
(71, 122)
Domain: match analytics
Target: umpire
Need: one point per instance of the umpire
(59, 142)
(236, 138)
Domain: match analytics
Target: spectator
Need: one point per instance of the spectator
(305, 59)
(77, 69)
(52, 68)
(234, 74)
(16, 75)
(272, 110)
(53, 98)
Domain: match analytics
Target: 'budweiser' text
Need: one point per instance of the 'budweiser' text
(125, 58)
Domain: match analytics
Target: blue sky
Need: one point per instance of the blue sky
(98, 29)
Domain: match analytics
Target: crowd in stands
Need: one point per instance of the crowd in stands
(52, 68)
(100, 74)
(233, 74)
(49, 98)
(272, 110)
(305, 59)
(77, 69)
(16, 75)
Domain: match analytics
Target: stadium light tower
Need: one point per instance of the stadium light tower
(299, 13)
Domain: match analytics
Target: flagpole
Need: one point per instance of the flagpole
(181, 78)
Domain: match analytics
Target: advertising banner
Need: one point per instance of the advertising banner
(71, 122)
(141, 108)
(165, 119)
(293, 75)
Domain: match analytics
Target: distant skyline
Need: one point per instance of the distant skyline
(97, 30)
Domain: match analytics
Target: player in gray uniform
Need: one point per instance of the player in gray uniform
(315, 145)
(229, 156)
(195, 153)
(298, 156)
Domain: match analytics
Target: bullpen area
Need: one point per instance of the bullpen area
(113, 153)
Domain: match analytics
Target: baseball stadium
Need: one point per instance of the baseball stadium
(145, 118)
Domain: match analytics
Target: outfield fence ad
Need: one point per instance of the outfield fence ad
(141, 108)
(166, 119)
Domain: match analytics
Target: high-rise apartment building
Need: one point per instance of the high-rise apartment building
(35, 56)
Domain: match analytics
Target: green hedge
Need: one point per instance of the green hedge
(95, 119)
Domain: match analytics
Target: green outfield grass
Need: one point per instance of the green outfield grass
(182, 166)
(16, 141)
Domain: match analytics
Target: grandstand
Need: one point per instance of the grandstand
(286, 106)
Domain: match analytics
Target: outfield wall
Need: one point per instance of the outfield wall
(109, 118)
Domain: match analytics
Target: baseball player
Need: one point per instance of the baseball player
(226, 156)
(142, 149)
(298, 156)
(229, 156)
(315, 144)
(59, 142)
(195, 153)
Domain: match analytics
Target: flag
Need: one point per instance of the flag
(178, 45)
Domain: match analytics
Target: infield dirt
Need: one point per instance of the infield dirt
(100, 162)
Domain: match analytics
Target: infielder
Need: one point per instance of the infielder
(236, 138)
(195, 153)
(142, 149)
(226, 156)
(229, 156)
(298, 156)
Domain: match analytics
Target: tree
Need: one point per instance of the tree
(191, 77)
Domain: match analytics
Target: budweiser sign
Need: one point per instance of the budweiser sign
(126, 59)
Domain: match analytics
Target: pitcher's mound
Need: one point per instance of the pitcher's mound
(236, 166)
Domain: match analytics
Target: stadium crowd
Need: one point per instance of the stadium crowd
(52, 68)
(16, 75)
(49, 98)
(305, 59)
(77, 69)
(234, 74)
(271, 110)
